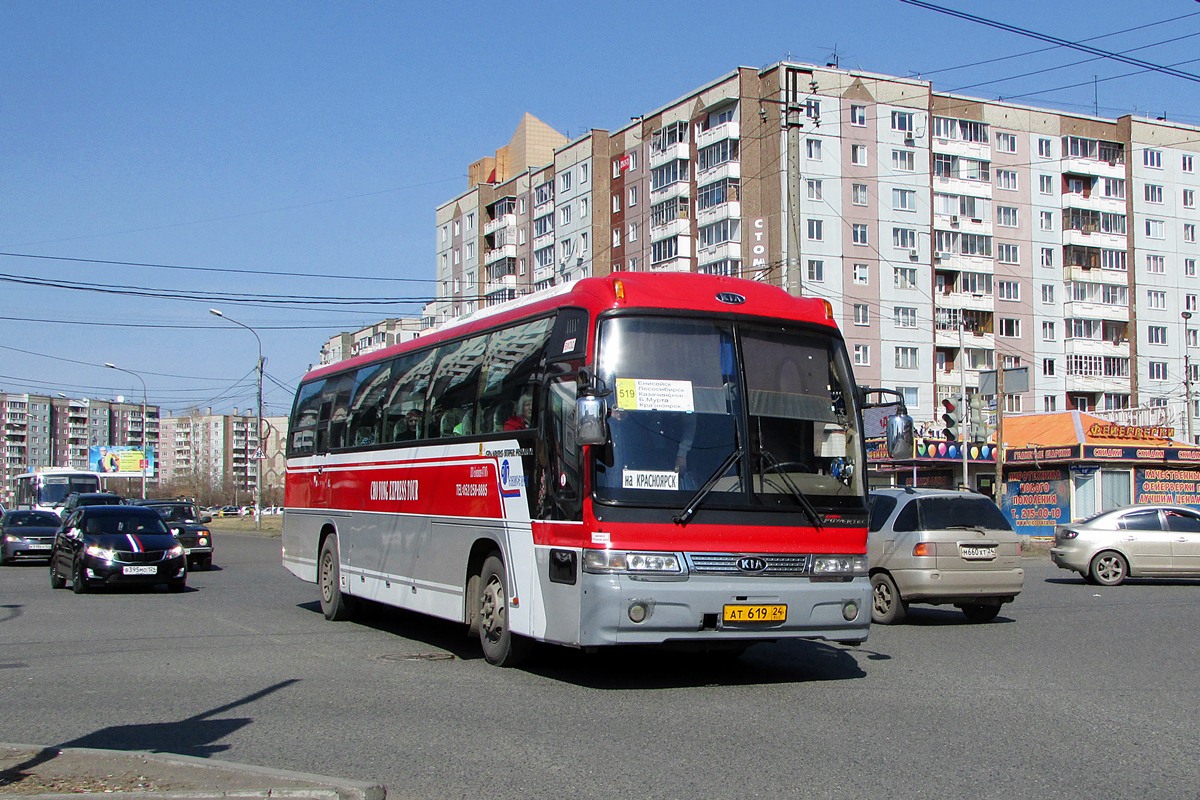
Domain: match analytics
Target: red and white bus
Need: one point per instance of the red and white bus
(637, 459)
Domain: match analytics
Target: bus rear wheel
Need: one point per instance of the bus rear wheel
(334, 605)
(501, 646)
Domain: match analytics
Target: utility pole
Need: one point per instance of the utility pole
(998, 494)
(962, 400)
(791, 266)
(1187, 379)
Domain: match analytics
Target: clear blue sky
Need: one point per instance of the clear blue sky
(313, 138)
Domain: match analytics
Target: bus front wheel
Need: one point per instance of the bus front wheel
(500, 645)
(334, 605)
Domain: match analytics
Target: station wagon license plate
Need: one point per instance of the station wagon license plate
(756, 613)
(977, 553)
(36, 546)
(139, 570)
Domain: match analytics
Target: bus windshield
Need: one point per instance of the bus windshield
(55, 488)
(685, 394)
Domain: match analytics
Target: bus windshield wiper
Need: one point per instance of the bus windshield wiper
(689, 511)
(808, 508)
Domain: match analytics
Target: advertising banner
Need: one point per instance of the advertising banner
(1166, 485)
(121, 460)
(1036, 500)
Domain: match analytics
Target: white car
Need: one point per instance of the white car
(1143, 541)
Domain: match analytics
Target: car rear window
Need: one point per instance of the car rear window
(945, 513)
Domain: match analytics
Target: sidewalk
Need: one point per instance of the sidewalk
(30, 771)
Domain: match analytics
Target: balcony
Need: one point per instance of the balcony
(718, 252)
(731, 210)
(499, 254)
(1093, 238)
(676, 227)
(1097, 347)
(726, 130)
(1094, 166)
(505, 283)
(980, 151)
(728, 169)
(679, 150)
(545, 240)
(505, 221)
(543, 274)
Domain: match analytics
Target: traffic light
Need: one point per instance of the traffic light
(951, 419)
(979, 431)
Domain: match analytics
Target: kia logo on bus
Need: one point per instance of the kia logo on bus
(732, 298)
(752, 564)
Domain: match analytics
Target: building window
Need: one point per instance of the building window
(633, 232)
(1046, 184)
(1189, 198)
(1006, 179)
(858, 154)
(904, 277)
(862, 275)
(1189, 267)
(902, 121)
(1010, 328)
(1008, 253)
(1156, 229)
(1156, 334)
(862, 314)
(1158, 370)
(904, 161)
(1152, 158)
(813, 149)
(905, 317)
(1007, 217)
(858, 116)
(1154, 193)
(1047, 256)
(1048, 367)
(904, 199)
(1047, 331)
(1156, 300)
(616, 203)
(1049, 402)
(633, 195)
(814, 189)
(858, 194)
(906, 358)
(1156, 264)
(1048, 293)
(859, 233)
(1006, 142)
(862, 355)
(1186, 164)
(1046, 220)
(905, 238)
(815, 230)
(1008, 290)
(1189, 232)
(1044, 148)
(816, 270)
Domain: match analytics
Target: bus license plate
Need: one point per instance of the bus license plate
(139, 570)
(756, 613)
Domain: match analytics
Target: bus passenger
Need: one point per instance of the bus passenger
(522, 413)
(409, 427)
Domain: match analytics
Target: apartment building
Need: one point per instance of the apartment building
(218, 456)
(384, 333)
(953, 235)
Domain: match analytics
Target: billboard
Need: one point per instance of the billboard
(121, 460)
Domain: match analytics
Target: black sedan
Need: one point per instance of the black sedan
(27, 535)
(111, 545)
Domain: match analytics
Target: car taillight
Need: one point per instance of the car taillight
(923, 549)
(1066, 533)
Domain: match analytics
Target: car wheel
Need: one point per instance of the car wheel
(206, 564)
(979, 612)
(1109, 568)
(79, 584)
(56, 581)
(500, 645)
(334, 605)
(887, 606)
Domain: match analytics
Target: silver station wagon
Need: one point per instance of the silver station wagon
(940, 546)
(1144, 541)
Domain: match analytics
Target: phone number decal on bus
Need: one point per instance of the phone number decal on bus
(395, 490)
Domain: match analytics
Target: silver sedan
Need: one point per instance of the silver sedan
(1144, 541)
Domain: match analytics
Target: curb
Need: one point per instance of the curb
(322, 787)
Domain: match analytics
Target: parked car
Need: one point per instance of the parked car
(106, 545)
(1143, 541)
(27, 535)
(940, 546)
(78, 499)
(189, 527)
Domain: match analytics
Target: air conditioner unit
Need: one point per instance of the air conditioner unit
(914, 254)
(909, 139)
(954, 220)
(938, 255)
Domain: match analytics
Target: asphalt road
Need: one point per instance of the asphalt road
(1074, 691)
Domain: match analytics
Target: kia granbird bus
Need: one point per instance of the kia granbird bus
(47, 489)
(637, 459)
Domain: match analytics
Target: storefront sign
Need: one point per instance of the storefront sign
(1036, 500)
(1174, 486)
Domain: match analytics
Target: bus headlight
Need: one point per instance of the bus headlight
(609, 561)
(830, 566)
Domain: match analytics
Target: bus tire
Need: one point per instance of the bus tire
(501, 646)
(334, 605)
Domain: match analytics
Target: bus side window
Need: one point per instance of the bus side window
(302, 436)
(455, 386)
(514, 357)
(559, 470)
(404, 403)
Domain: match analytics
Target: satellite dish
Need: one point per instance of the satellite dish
(120, 398)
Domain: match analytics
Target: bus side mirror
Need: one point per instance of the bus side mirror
(900, 436)
(590, 412)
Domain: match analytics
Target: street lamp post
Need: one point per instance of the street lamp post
(145, 427)
(260, 451)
